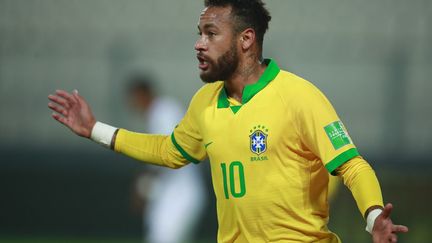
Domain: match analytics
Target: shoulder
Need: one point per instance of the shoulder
(294, 88)
(290, 82)
(206, 95)
(203, 99)
(298, 95)
(209, 89)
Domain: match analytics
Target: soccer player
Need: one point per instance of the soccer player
(270, 135)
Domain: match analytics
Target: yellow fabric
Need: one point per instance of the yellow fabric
(333, 187)
(267, 159)
(154, 149)
(360, 178)
(280, 194)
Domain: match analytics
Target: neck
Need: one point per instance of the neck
(248, 72)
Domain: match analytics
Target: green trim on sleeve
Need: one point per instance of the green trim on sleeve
(340, 159)
(182, 151)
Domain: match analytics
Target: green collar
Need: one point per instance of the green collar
(251, 90)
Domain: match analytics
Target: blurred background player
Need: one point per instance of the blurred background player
(172, 200)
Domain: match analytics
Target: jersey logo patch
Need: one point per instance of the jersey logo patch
(258, 139)
(337, 134)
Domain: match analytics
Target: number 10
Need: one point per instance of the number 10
(232, 186)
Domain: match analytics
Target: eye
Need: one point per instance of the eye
(211, 34)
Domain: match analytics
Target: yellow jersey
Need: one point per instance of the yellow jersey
(270, 156)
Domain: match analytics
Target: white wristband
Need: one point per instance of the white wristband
(103, 134)
(370, 220)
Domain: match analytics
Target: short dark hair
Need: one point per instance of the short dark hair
(247, 14)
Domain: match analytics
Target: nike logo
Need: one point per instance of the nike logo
(207, 144)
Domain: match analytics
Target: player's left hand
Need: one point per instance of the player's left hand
(384, 230)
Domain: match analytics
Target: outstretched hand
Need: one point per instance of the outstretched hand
(384, 230)
(72, 111)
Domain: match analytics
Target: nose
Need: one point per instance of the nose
(200, 45)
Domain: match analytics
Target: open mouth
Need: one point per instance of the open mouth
(203, 64)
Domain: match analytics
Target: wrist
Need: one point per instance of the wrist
(103, 134)
(88, 132)
(371, 217)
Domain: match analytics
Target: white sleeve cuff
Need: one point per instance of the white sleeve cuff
(370, 220)
(103, 133)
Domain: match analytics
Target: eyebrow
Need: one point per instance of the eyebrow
(208, 25)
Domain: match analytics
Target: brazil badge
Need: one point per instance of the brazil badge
(258, 139)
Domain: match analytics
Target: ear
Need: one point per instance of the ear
(247, 38)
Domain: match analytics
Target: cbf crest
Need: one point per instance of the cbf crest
(258, 139)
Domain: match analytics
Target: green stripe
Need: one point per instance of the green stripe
(269, 74)
(249, 91)
(341, 158)
(182, 151)
(223, 99)
(235, 108)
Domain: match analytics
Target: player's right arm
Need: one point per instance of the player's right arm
(74, 112)
(154, 149)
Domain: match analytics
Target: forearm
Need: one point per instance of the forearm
(360, 178)
(154, 149)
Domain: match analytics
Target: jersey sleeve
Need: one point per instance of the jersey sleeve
(360, 178)
(187, 137)
(184, 145)
(321, 130)
(149, 148)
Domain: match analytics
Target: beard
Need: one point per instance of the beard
(223, 68)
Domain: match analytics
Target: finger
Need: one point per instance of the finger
(66, 96)
(387, 210)
(60, 119)
(76, 95)
(399, 229)
(58, 100)
(58, 109)
(393, 238)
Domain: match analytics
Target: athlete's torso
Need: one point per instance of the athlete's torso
(270, 156)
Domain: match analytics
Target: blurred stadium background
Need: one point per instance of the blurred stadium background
(373, 59)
